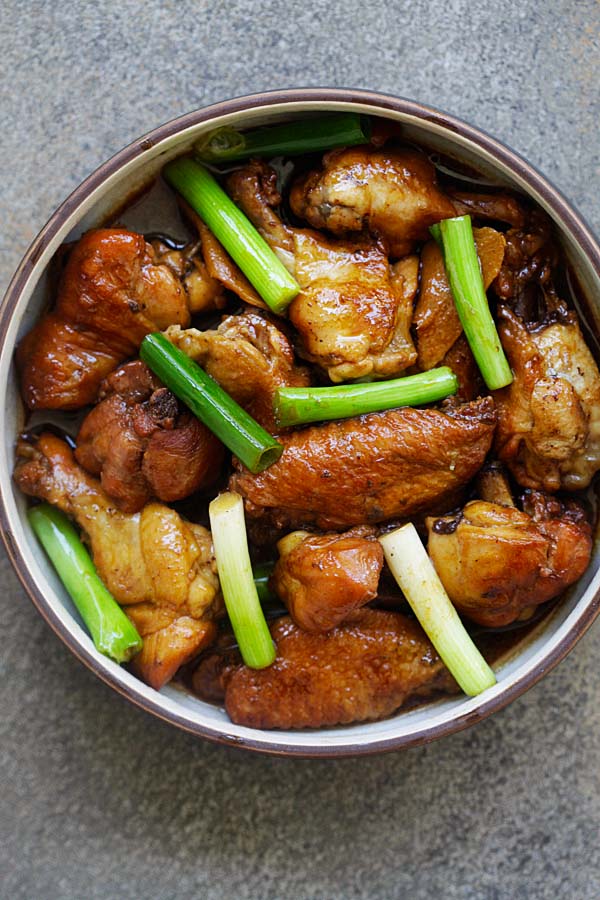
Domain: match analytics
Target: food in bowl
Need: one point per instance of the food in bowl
(358, 388)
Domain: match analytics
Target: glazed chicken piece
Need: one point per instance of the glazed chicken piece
(363, 670)
(371, 468)
(249, 357)
(436, 321)
(156, 564)
(323, 578)
(111, 294)
(497, 562)
(549, 417)
(354, 311)
(141, 444)
(392, 193)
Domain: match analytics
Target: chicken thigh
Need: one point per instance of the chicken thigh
(353, 313)
(249, 356)
(111, 294)
(141, 443)
(496, 561)
(391, 193)
(549, 417)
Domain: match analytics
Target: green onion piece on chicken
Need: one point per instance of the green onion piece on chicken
(228, 528)
(416, 576)
(232, 228)
(110, 629)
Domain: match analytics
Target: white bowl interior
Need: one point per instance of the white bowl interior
(173, 700)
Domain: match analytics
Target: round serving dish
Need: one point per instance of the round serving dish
(90, 205)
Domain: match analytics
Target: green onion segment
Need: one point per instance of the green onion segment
(110, 629)
(288, 139)
(228, 529)
(464, 276)
(261, 574)
(248, 440)
(413, 570)
(237, 234)
(296, 405)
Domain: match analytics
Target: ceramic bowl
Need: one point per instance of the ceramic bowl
(90, 205)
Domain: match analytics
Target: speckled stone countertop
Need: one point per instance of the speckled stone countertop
(97, 799)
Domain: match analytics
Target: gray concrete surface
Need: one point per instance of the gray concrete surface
(97, 799)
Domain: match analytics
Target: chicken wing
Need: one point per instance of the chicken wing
(250, 358)
(354, 311)
(111, 294)
(156, 564)
(496, 561)
(549, 417)
(140, 443)
(371, 468)
(359, 671)
(323, 578)
(392, 193)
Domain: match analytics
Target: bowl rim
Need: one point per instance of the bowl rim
(501, 153)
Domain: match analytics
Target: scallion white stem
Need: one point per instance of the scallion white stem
(416, 576)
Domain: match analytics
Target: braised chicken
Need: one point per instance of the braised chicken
(374, 302)
(111, 294)
(369, 469)
(156, 564)
(141, 444)
(497, 562)
(549, 417)
(353, 312)
(249, 357)
(390, 193)
(323, 578)
(365, 669)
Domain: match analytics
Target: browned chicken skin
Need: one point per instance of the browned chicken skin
(391, 193)
(353, 312)
(140, 443)
(323, 578)
(160, 567)
(363, 670)
(370, 469)
(549, 417)
(249, 356)
(496, 561)
(111, 294)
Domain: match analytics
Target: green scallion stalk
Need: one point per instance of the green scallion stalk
(464, 276)
(294, 406)
(242, 434)
(420, 584)
(237, 234)
(228, 529)
(289, 139)
(111, 631)
(261, 574)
